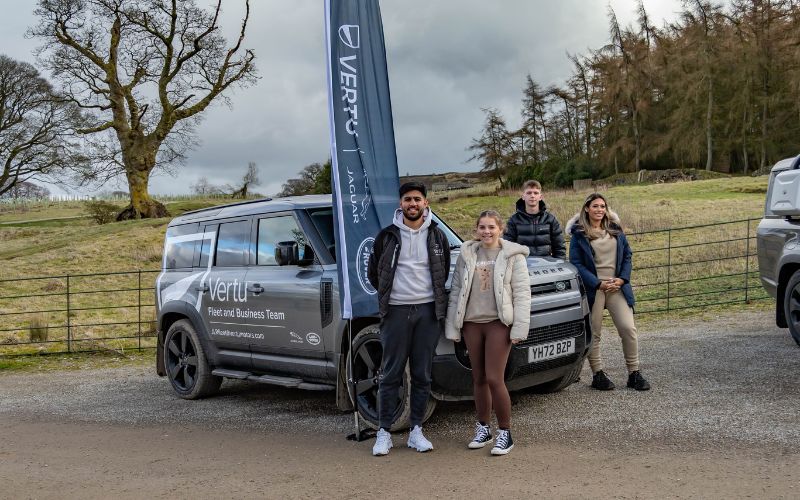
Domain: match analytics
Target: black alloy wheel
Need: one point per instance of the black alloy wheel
(791, 306)
(186, 364)
(365, 373)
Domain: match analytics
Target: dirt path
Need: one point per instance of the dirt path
(720, 422)
(62, 460)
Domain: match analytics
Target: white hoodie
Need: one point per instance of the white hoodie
(412, 280)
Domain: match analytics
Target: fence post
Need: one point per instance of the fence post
(669, 264)
(69, 321)
(747, 266)
(140, 308)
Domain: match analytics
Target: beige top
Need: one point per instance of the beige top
(482, 306)
(605, 255)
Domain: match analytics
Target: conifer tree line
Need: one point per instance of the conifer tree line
(718, 89)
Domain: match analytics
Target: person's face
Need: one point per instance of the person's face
(532, 197)
(488, 231)
(413, 205)
(596, 210)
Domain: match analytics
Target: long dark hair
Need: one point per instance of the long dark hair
(605, 225)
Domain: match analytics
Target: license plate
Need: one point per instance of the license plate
(543, 352)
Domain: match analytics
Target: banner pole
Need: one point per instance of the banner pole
(359, 434)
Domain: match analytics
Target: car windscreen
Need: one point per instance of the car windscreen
(323, 222)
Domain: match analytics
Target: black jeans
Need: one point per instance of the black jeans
(409, 333)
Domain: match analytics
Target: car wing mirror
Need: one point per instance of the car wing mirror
(287, 253)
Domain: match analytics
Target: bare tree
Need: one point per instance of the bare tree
(492, 148)
(249, 180)
(204, 187)
(145, 70)
(25, 190)
(36, 126)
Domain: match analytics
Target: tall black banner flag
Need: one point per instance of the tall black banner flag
(364, 173)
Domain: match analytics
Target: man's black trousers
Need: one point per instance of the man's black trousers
(409, 333)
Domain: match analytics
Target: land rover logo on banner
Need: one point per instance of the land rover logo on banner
(364, 251)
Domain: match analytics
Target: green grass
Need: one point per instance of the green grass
(79, 361)
(641, 208)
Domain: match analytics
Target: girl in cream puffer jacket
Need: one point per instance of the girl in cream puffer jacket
(512, 289)
(490, 303)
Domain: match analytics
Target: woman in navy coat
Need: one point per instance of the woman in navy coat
(600, 251)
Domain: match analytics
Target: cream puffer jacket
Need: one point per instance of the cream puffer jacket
(512, 288)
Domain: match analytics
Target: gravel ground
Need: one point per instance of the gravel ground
(729, 382)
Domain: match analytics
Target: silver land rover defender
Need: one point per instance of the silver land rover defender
(778, 240)
(249, 291)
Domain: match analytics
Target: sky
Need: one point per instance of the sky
(447, 59)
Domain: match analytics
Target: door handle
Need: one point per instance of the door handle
(202, 288)
(255, 288)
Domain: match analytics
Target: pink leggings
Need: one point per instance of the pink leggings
(489, 345)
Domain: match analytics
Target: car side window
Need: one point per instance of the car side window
(275, 230)
(179, 247)
(233, 243)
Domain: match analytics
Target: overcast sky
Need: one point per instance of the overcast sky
(447, 60)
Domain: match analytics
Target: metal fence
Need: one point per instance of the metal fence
(673, 269)
(696, 266)
(77, 313)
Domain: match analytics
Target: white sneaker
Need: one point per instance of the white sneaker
(417, 441)
(383, 442)
(483, 435)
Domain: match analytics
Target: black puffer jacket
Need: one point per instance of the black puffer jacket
(541, 232)
(383, 263)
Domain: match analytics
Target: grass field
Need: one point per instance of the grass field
(56, 239)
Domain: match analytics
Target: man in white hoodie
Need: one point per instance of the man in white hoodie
(408, 267)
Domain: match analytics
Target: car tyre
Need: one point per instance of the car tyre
(365, 370)
(186, 363)
(791, 306)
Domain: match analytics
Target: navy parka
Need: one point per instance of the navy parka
(581, 256)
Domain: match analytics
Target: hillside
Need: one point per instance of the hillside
(54, 239)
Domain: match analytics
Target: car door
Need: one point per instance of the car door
(223, 298)
(289, 297)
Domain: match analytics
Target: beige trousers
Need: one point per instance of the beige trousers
(622, 316)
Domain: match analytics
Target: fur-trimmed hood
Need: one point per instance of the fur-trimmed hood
(573, 224)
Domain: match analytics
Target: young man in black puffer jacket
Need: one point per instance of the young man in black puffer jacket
(533, 226)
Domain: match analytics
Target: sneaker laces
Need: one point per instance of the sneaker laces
(383, 438)
(481, 432)
(502, 439)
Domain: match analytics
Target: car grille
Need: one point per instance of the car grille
(549, 334)
(546, 288)
(552, 333)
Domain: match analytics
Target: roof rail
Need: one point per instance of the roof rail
(216, 207)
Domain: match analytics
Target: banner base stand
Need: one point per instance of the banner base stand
(362, 435)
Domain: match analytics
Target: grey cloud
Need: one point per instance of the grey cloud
(447, 59)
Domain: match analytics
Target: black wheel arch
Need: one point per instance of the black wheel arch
(172, 312)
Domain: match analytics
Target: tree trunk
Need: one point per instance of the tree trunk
(142, 206)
